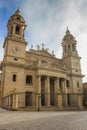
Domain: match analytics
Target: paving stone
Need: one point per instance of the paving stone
(43, 120)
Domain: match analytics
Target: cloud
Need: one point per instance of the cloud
(47, 21)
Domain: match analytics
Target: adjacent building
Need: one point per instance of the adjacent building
(37, 79)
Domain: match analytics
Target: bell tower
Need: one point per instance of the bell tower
(69, 45)
(71, 61)
(15, 44)
(16, 26)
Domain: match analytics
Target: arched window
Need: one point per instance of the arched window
(65, 49)
(73, 47)
(28, 79)
(69, 47)
(17, 31)
(18, 18)
(77, 84)
(11, 29)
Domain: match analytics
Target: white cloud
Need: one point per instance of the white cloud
(47, 24)
(47, 20)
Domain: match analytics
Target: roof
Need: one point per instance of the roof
(69, 37)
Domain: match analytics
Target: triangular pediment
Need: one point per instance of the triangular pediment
(44, 53)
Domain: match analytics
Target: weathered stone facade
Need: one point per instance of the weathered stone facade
(35, 78)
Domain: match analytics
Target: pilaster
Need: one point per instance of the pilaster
(80, 104)
(56, 90)
(14, 101)
(47, 91)
(64, 92)
(38, 92)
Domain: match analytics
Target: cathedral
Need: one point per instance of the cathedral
(37, 79)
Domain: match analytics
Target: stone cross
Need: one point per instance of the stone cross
(42, 46)
(38, 47)
(31, 46)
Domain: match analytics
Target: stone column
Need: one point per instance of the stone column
(38, 92)
(22, 31)
(14, 101)
(64, 92)
(47, 91)
(57, 85)
(56, 91)
(14, 29)
(80, 104)
(58, 99)
(33, 99)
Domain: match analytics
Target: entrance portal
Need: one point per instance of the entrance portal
(28, 99)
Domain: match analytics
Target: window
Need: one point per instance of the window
(14, 77)
(11, 29)
(60, 83)
(69, 47)
(65, 49)
(43, 61)
(67, 83)
(28, 79)
(17, 31)
(18, 18)
(15, 59)
(77, 84)
(73, 47)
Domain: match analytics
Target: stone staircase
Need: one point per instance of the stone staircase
(52, 108)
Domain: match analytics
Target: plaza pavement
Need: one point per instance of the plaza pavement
(18, 120)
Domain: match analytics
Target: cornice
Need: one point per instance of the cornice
(16, 40)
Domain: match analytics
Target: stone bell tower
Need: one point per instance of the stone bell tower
(15, 44)
(71, 62)
(14, 55)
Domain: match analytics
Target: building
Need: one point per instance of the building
(0, 88)
(37, 79)
(85, 94)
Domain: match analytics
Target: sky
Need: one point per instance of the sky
(46, 22)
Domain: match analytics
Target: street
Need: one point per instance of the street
(18, 120)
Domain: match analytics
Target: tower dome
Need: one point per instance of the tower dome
(68, 36)
(69, 44)
(16, 25)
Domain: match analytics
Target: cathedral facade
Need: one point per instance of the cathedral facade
(36, 79)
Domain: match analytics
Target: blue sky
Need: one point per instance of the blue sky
(46, 23)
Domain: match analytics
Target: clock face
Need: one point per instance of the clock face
(16, 49)
(75, 63)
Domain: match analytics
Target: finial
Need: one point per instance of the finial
(53, 52)
(31, 46)
(18, 7)
(67, 28)
(17, 11)
(38, 47)
(47, 49)
(42, 46)
(67, 31)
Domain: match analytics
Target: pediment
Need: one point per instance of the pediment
(44, 53)
(54, 65)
